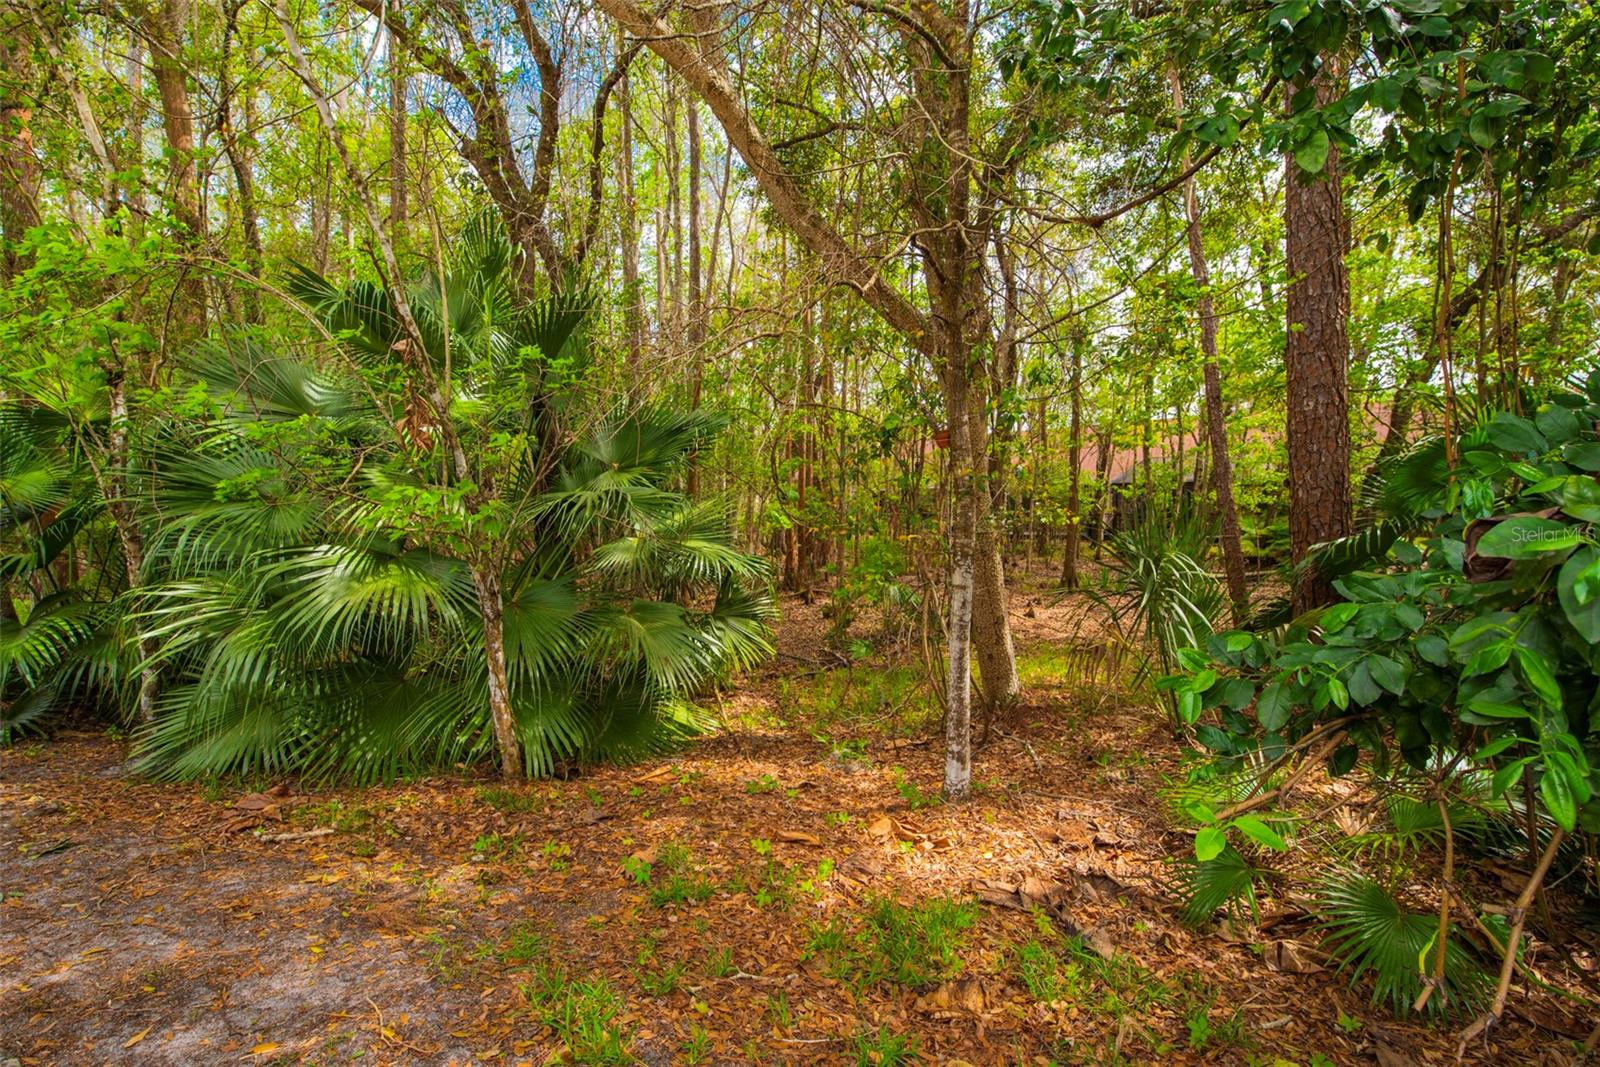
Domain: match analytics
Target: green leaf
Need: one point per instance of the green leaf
(1272, 707)
(1312, 153)
(1536, 672)
(1237, 693)
(1209, 843)
(1556, 423)
(1513, 433)
(1363, 690)
(1525, 536)
(1494, 709)
(1575, 589)
(1494, 748)
(1558, 798)
(1506, 776)
(1580, 498)
(1434, 649)
(1189, 706)
(1260, 833)
(1391, 674)
(1481, 129)
(1585, 455)
(1577, 775)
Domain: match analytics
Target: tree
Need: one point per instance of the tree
(951, 235)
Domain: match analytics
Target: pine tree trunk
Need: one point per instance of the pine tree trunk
(1316, 356)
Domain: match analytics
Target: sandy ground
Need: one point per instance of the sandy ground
(173, 924)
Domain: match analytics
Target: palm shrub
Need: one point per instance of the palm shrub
(1466, 662)
(61, 650)
(1156, 590)
(337, 601)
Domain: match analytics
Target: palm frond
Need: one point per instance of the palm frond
(1373, 935)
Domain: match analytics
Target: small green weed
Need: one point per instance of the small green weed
(584, 1013)
(698, 1047)
(885, 1049)
(911, 946)
(676, 878)
(501, 798)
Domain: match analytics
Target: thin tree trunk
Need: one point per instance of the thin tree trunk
(491, 610)
(19, 167)
(399, 208)
(113, 478)
(1069, 558)
(1316, 356)
(1216, 427)
(241, 160)
(485, 575)
(132, 155)
(632, 296)
(696, 333)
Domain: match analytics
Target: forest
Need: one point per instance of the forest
(866, 532)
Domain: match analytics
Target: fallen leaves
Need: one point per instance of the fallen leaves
(1290, 957)
(889, 828)
(257, 809)
(971, 996)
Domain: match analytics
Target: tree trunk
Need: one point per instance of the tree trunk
(696, 333)
(491, 610)
(19, 167)
(1069, 558)
(1316, 356)
(113, 477)
(241, 160)
(399, 209)
(167, 29)
(632, 297)
(1216, 426)
(965, 490)
(131, 158)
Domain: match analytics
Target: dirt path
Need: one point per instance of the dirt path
(455, 921)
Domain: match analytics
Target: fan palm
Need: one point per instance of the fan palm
(62, 649)
(1156, 588)
(334, 605)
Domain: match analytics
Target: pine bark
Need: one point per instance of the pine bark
(1316, 355)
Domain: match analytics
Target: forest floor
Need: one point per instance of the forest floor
(726, 904)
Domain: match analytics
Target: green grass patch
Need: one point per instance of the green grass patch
(896, 944)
